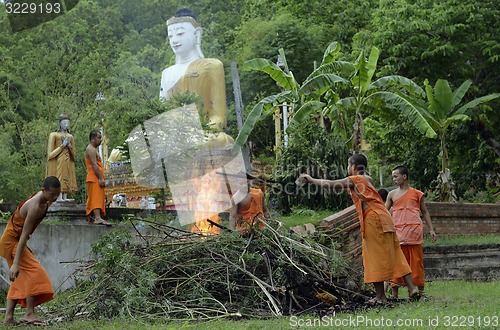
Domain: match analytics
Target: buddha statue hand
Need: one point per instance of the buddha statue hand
(65, 142)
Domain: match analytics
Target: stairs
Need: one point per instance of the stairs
(468, 262)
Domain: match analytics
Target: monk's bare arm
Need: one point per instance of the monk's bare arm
(427, 218)
(388, 202)
(341, 185)
(28, 228)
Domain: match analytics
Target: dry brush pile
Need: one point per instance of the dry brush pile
(178, 275)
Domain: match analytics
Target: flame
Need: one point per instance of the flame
(204, 204)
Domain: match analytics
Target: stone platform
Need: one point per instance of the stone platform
(66, 211)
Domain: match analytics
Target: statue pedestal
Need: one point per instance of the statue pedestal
(66, 210)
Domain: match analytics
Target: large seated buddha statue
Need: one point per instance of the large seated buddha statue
(196, 74)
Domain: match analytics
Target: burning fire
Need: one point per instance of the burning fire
(205, 204)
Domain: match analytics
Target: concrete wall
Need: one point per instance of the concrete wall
(58, 248)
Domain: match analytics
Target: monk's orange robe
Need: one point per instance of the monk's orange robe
(33, 280)
(409, 228)
(382, 255)
(414, 254)
(248, 214)
(96, 195)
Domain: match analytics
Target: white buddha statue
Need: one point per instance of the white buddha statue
(194, 73)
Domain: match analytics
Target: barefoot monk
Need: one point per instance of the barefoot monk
(30, 284)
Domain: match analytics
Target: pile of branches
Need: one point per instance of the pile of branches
(179, 275)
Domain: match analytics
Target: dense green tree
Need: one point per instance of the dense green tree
(450, 39)
(260, 38)
(120, 47)
(441, 112)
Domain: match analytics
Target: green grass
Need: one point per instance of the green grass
(464, 240)
(465, 303)
(303, 216)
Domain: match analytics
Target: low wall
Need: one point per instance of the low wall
(464, 218)
(58, 247)
(447, 219)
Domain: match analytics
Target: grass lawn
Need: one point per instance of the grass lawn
(303, 216)
(464, 240)
(467, 305)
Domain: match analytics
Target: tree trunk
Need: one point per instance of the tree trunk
(357, 133)
(444, 154)
(446, 185)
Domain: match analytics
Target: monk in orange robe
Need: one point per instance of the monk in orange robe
(30, 284)
(96, 205)
(407, 204)
(382, 255)
(247, 211)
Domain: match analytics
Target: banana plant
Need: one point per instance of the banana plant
(362, 95)
(342, 91)
(441, 111)
(293, 94)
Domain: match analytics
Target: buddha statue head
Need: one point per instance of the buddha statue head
(184, 35)
(63, 122)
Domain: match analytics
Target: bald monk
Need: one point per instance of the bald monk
(95, 181)
(407, 204)
(382, 255)
(30, 284)
(246, 213)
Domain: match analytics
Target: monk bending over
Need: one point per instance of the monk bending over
(30, 284)
(383, 259)
(245, 214)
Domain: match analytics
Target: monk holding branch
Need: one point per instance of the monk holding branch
(383, 259)
(30, 284)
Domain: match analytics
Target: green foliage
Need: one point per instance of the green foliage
(5, 216)
(302, 216)
(120, 48)
(318, 152)
(441, 112)
(120, 275)
(388, 134)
